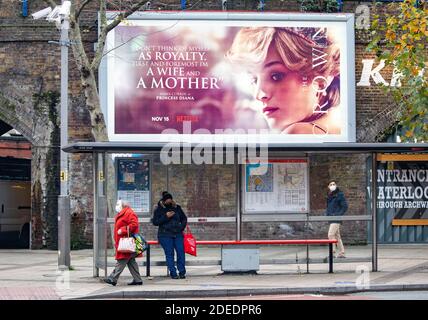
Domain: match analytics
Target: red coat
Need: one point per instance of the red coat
(124, 219)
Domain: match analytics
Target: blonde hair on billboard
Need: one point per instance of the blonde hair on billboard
(251, 45)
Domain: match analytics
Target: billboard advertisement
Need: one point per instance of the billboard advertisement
(193, 76)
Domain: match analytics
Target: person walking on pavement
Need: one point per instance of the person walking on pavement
(336, 206)
(126, 221)
(172, 221)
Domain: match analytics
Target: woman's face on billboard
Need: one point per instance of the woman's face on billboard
(285, 97)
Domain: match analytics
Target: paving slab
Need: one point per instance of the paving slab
(33, 274)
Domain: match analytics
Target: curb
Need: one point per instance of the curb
(335, 290)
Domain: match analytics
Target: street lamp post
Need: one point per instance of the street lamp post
(60, 15)
(64, 199)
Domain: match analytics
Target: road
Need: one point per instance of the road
(387, 295)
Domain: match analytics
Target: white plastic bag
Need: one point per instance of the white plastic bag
(126, 245)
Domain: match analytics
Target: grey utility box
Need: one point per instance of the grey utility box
(240, 258)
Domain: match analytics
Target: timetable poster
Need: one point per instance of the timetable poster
(280, 185)
(133, 183)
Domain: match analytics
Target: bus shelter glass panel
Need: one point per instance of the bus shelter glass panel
(102, 234)
(208, 195)
(286, 199)
(101, 231)
(352, 174)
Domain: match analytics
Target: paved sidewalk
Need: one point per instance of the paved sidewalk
(26, 274)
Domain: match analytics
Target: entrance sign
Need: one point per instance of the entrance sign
(133, 182)
(276, 186)
(403, 191)
(184, 77)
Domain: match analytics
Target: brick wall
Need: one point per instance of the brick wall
(15, 148)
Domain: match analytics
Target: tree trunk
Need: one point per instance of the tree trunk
(98, 124)
(45, 172)
(89, 84)
(99, 128)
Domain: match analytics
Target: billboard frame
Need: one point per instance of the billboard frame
(347, 82)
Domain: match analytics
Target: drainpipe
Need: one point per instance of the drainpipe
(24, 8)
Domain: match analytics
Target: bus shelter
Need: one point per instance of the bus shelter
(111, 157)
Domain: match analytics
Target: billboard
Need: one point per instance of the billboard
(237, 77)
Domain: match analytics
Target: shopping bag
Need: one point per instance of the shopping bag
(189, 243)
(141, 244)
(126, 245)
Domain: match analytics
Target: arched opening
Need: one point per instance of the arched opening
(4, 127)
(36, 120)
(15, 189)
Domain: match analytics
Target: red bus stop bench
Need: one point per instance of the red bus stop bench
(256, 242)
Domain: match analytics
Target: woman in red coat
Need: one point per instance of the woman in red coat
(125, 221)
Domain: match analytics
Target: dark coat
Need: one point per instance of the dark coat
(124, 220)
(336, 204)
(169, 227)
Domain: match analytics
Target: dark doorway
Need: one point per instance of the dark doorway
(15, 191)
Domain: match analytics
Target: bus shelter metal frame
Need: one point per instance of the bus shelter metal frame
(99, 165)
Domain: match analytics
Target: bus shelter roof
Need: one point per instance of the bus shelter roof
(330, 147)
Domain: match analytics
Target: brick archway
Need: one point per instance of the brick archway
(35, 117)
(372, 128)
(12, 115)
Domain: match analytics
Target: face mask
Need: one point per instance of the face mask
(332, 188)
(118, 206)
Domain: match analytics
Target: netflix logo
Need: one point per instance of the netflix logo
(182, 118)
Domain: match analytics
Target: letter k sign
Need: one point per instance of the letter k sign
(369, 72)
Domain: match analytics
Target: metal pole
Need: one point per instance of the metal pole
(167, 178)
(307, 258)
(238, 197)
(63, 199)
(103, 185)
(148, 261)
(96, 270)
(330, 258)
(374, 212)
(307, 246)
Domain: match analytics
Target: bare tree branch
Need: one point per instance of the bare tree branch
(81, 7)
(105, 28)
(101, 39)
(139, 35)
(78, 47)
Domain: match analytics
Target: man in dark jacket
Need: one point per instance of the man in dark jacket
(336, 206)
(172, 221)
